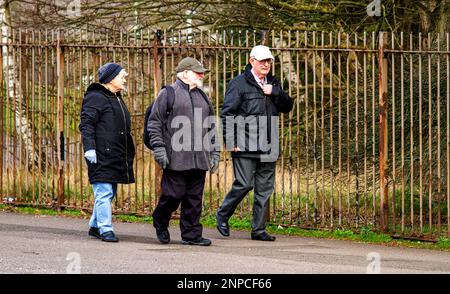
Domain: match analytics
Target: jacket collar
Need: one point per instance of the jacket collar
(97, 87)
(182, 84)
(185, 86)
(249, 76)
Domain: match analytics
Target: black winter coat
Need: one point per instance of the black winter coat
(105, 126)
(245, 98)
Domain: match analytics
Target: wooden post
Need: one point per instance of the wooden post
(383, 128)
(60, 123)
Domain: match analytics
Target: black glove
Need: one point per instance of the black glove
(214, 160)
(160, 155)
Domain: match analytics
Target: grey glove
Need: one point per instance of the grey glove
(214, 161)
(161, 157)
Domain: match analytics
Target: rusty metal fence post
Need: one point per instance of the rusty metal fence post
(383, 129)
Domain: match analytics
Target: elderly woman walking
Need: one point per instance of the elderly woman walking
(109, 149)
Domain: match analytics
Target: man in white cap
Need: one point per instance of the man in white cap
(252, 101)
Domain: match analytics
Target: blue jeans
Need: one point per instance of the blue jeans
(102, 212)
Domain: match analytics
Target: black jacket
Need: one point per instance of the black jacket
(244, 98)
(105, 126)
(194, 109)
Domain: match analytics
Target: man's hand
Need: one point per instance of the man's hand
(161, 157)
(91, 156)
(267, 89)
(236, 149)
(214, 161)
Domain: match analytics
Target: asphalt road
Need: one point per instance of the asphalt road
(49, 244)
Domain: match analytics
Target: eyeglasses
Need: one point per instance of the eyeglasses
(265, 61)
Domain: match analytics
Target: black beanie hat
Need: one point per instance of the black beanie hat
(108, 71)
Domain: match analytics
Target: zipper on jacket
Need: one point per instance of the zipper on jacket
(126, 138)
(192, 129)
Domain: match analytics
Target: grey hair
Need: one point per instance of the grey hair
(179, 75)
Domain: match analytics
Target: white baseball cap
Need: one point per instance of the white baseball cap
(261, 52)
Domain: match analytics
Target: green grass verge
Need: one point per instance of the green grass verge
(366, 235)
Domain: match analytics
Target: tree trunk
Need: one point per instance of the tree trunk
(23, 124)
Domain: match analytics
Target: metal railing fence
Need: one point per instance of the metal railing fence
(367, 144)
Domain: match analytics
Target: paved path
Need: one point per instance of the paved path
(49, 244)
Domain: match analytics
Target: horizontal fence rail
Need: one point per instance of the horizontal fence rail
(366, 146)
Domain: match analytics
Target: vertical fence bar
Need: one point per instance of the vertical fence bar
(430, 169)
(383, 145)
(12, 78)
(373, 57)
(448, 135)
(315, 124)
(411, 131)
(40, 120)
(46, 120)
(34, 117)
(365, 128)
(152, 186)
(331, 137)
(394, 116)
(18, 109)
(216, 94)
(402, 106)
(347, 76)
(156, 86)
(8, 115)
(356, 156)
(60, 126)
(143, 107)
(340, 130)
(82, 86)
(2, 122)
(297, 100)
(290, 143)
(420, 135)
(307, 147)
(22, 110)
(322, 129)
(68, 134)
(438, 158)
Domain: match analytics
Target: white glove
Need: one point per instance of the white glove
(91, 156)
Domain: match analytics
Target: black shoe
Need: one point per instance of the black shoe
(163, 236)
(222, 227)
(263, 237)
(109, 237)
(94, 232)
(200, 241)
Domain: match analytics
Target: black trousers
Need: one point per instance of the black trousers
(250, 173)
(185, 187)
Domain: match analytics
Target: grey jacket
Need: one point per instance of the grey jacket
(180, 132)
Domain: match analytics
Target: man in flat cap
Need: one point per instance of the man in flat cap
(184, 159)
